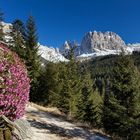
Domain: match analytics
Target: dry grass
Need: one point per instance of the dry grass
(52, 110)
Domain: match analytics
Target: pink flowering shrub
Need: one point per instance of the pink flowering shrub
(14, 84)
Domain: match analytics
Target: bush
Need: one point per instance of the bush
(14, 84)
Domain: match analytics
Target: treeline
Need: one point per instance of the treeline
(104, 92)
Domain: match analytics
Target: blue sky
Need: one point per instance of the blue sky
(60, 20)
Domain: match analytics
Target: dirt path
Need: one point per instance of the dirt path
(45, 126)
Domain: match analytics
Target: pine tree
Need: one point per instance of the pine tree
(32, 57)
(18, 25)
(74, 86)
(1, 27)
(71, 89)
(18, 38)
(62, 97)
(85, 108)
(122, 102)
(53, 83)
(90, 102)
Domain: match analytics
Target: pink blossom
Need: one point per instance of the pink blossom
(14, 84)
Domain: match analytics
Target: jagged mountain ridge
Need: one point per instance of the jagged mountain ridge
(64, 49)
(101, 41)
(96, 41)
(96, 44)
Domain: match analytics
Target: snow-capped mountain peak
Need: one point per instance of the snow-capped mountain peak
(101, 41)
(96, 44)
(51, 54)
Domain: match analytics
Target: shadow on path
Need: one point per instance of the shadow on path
(69, 133)
(72, 132)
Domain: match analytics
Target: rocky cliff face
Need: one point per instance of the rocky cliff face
(7, 30)
(70, 45)
(93, 41)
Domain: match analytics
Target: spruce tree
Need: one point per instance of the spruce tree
(1, 26)
(60, 98)
(84, 106)
(18, 38)
(32, 57)
(70, 79)
(71, 87)
(121, 112)
(53, 84)
(90, 101)
(18, 25)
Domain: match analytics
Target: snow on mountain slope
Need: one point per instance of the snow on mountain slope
(88, 56)
(98, 53)
(127, 50)
(51, 54)
(134, 47)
